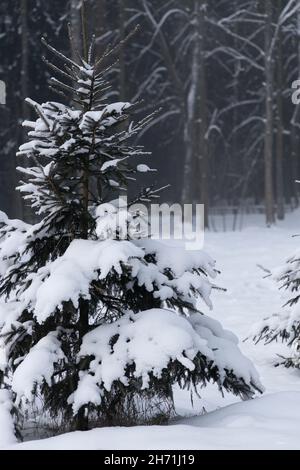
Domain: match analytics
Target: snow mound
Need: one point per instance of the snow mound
(150, 341)
(270, 422)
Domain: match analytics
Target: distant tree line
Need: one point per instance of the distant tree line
(220, 70)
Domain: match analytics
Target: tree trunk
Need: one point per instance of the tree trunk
(82, 422)
(268, 144)
(294, 156)
(75, 22)
(189, 134)
(122, 72)
(99, 25)
(188, 109)
(202, 147)
(25, 209)
(235, 117)
(83, 321)
(294, 130)
(196, 166)
(24, 61)
(279, 130)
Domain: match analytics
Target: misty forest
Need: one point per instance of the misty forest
(220, 71)
(115, 332)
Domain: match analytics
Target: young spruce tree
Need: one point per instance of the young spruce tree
(99, 321)
(285, 325)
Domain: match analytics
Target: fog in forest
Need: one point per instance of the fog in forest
(220, 72)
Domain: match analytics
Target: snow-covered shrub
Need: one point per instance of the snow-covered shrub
(285, 325)
(96, 325)
(152, 350)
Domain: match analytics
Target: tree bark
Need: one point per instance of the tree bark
(99, 25)
(294, 130)
(25, 209)
(268, 142)
(202, 147)
(187, 195)
(83, 321)
(294, 156)
(82, 422)
(279, 130)
(122, 71)
(196, 166)
(75, 22)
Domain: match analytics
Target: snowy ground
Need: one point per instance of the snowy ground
(269, 422)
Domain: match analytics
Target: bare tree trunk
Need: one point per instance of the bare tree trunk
(196, 166)
(294, 130)
(279, 130)
(268, 147)
(75, 21)
(122, 72)
(202, 147)
(99, 24)
(186, 193)
(294, 155)
(190, 131)
(189, 107)
(235, 119)
(24, 61)
(25, 209)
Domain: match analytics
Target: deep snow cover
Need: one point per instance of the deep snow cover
(270, 422)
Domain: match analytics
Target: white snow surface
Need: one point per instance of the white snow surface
(270, 422)
(215, 422)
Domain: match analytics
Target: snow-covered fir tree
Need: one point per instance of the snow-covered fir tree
(285, 324)
(98, 322)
